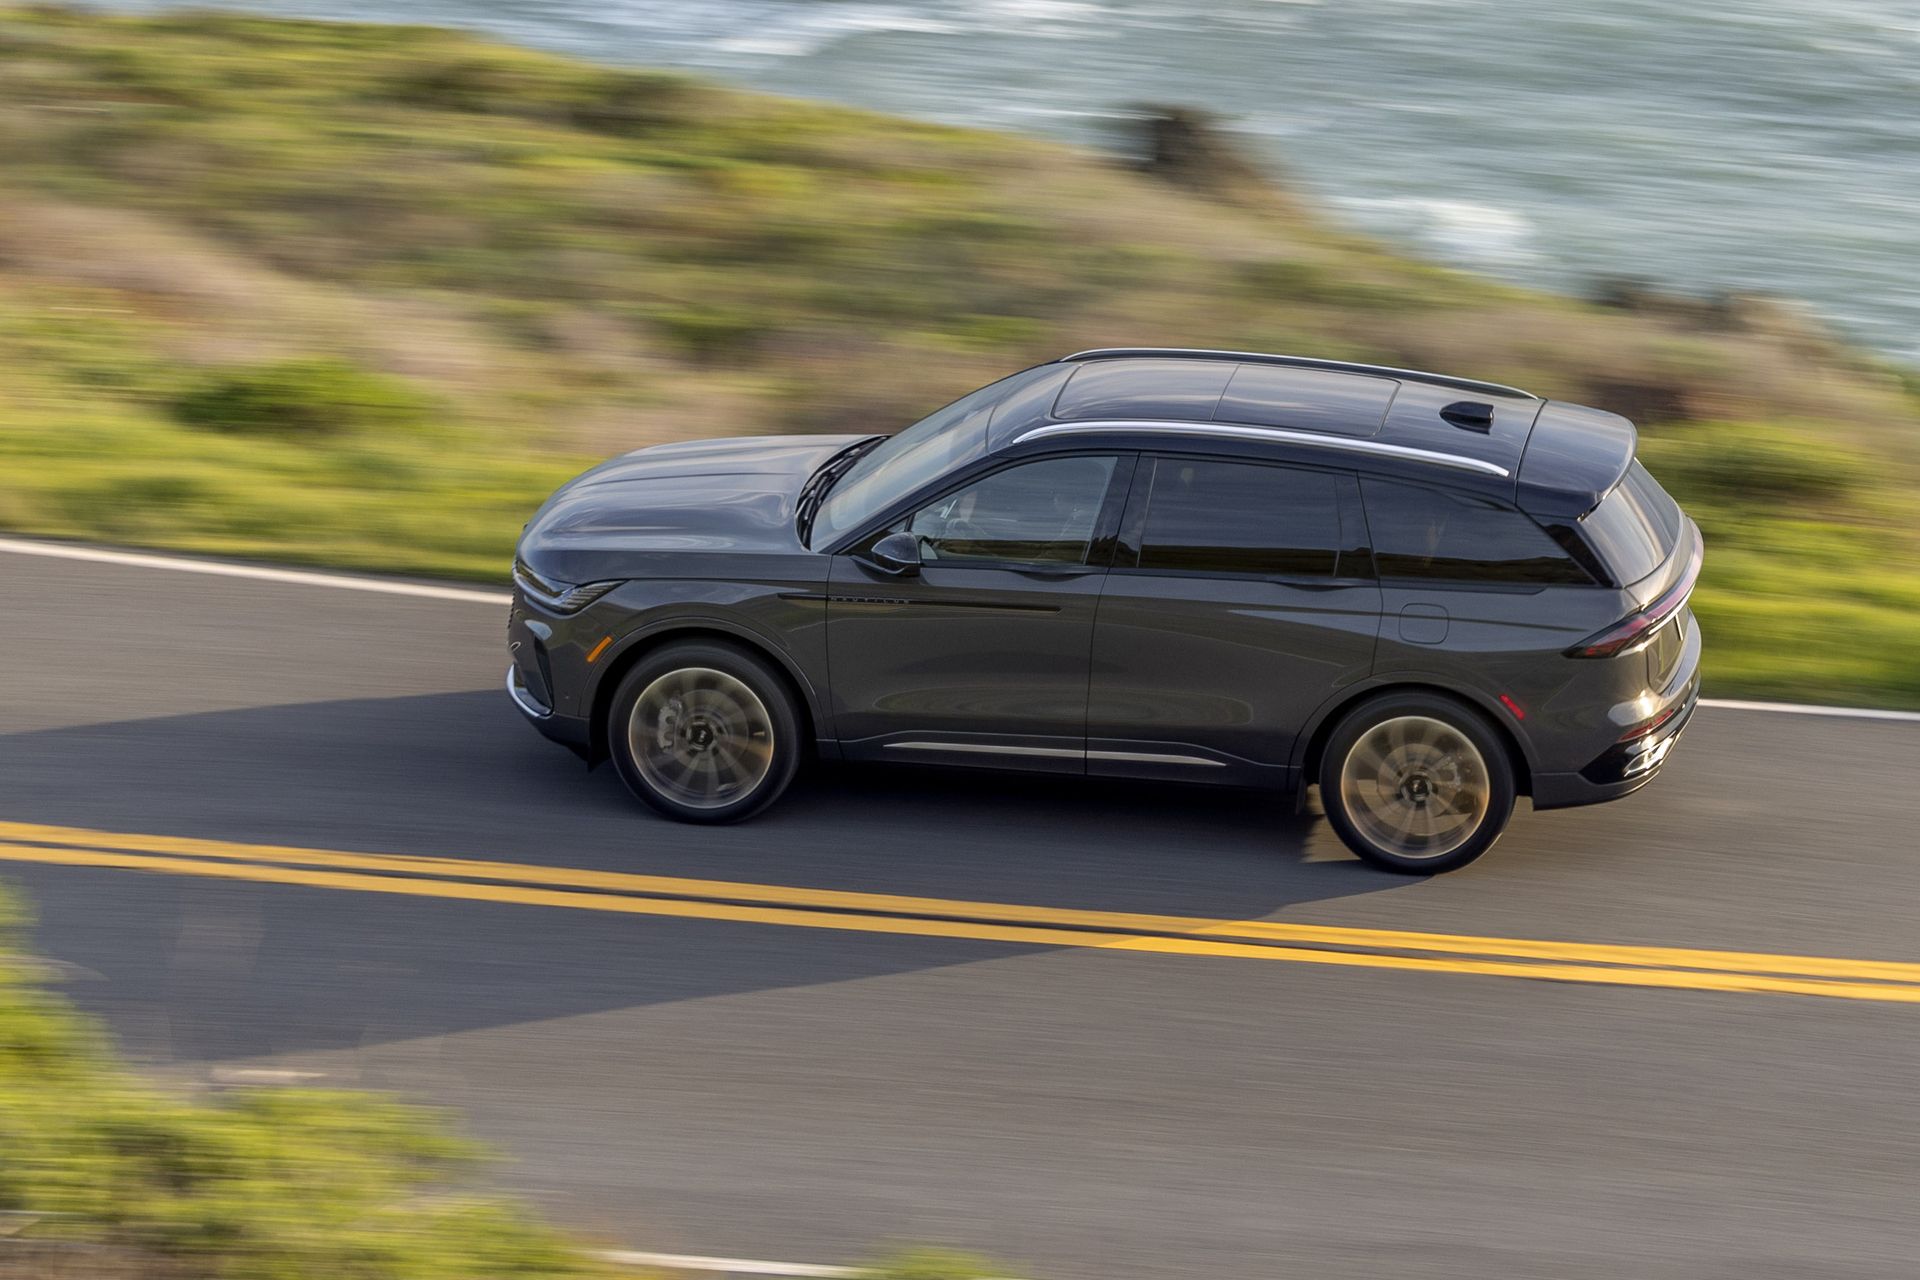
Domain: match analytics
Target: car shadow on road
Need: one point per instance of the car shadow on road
(201, 970)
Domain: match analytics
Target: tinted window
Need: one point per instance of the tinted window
(1433, 534)
(1227, 517)
(1634, 527)
(1038, 513)
(896, 467)
(1183, 390)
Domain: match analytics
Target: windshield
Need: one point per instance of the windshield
(900, 464)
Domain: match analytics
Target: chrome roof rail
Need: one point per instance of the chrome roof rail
(1314, 439)
(1298, 362)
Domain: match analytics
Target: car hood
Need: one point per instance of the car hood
(705, 495)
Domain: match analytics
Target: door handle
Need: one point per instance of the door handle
(1055, 570)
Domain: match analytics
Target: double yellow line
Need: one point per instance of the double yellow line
(767, 904)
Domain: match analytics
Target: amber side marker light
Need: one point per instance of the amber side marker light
(599, 649)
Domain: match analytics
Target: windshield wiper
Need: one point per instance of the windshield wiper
(814, 492)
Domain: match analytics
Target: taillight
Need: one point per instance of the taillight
(1635, 628)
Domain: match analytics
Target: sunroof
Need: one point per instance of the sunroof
(1261, 395)
(1180, 390)
(1347, 404)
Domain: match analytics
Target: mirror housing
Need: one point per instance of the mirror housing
(897, 555)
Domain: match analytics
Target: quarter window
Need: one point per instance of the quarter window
(1036, 513)
(1227, 517)
(1454, 537)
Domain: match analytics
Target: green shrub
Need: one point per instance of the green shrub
(1749, 462)
(711, 334)
(303, 400)
(633, 103)
(476, 80)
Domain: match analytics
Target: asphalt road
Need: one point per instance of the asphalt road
(745, 1087)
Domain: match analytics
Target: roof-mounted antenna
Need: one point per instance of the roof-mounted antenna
(1469, 415)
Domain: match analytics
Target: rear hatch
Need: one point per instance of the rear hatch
(1654, 551)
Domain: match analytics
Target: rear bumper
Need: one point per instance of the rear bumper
(1620, 771)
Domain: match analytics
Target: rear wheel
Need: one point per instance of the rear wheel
(704, 732)
(1416, 783)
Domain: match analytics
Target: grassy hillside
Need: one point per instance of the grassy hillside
(361, 295)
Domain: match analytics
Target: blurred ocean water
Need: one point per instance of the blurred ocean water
(1769, 145)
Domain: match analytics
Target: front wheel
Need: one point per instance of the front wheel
(1416, 783)
(704, 732)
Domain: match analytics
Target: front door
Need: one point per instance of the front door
(1240, 598)
(981, 657)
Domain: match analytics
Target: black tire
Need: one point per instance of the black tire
(1430, 805)
(717, 734)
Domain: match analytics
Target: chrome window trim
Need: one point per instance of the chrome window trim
(1313, 439)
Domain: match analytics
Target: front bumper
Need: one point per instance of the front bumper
(570, 731)
(524, 698)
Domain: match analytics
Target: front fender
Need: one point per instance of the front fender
(786, 626)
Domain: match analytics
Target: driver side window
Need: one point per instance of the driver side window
(1038, 513)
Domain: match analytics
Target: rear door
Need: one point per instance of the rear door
(1241, 596)
(980, 658)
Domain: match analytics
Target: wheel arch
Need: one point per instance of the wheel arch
(1315, 740)
(649, 640)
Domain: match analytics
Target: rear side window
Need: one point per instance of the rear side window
(1635, 527)
(1227, 517)
(1453, 537)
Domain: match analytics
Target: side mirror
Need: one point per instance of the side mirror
(897, 554)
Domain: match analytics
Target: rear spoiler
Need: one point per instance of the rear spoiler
(1573, 457)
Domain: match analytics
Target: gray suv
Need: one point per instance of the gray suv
(1428, 595)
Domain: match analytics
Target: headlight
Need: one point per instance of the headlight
(558, 597)
(574, 599)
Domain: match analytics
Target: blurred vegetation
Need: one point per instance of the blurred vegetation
(361, 296)
(935, 1264)
(103, 1177)
(303, 400)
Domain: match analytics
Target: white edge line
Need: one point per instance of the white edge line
(224, 569)
(1809, 709)
(728, 1266)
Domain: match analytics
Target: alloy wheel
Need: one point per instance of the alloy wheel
(701, 737)
(1416, 787)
